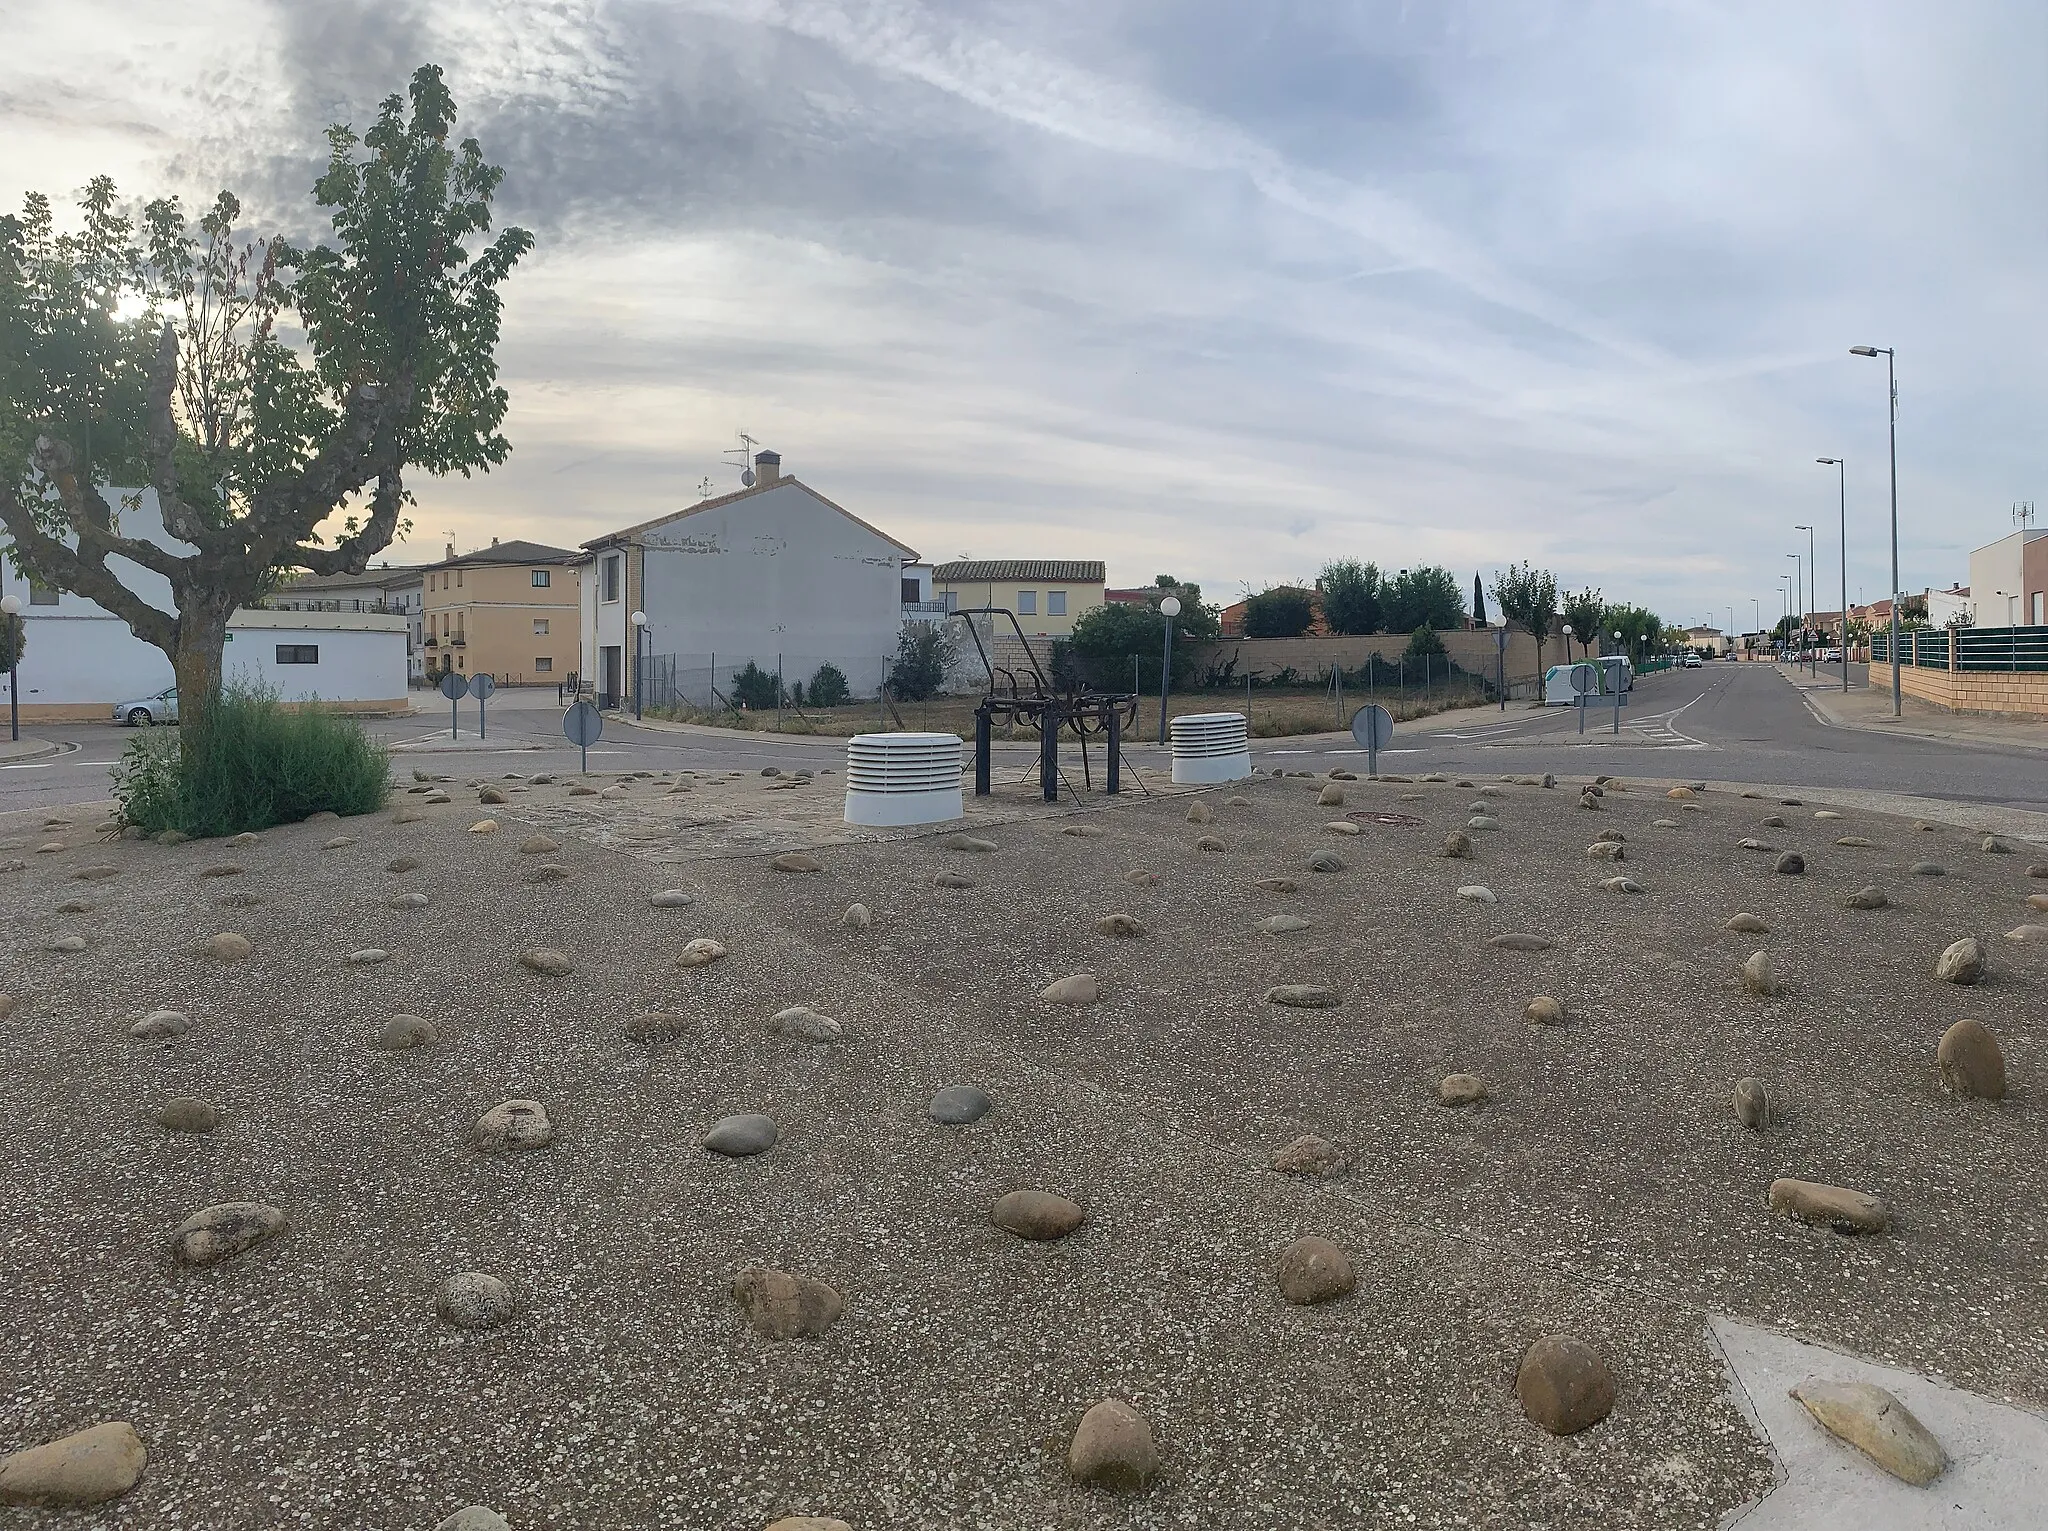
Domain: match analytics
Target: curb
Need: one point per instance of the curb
(28, 749)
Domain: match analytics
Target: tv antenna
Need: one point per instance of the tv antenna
(2022, 513)
(704, 489)
(745, 452)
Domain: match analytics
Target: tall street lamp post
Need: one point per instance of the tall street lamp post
(1812, 591)
(1798, 596)
(1892, 379)
(1842, 500)
(639, 632)
(1169, 609)
(10, 607)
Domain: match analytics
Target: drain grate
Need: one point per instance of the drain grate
(1385, 818)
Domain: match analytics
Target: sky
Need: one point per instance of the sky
(1196, 287)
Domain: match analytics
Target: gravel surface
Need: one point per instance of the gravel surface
(1605, 1190)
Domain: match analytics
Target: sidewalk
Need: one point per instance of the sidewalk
(1870, 708)
(26, 749)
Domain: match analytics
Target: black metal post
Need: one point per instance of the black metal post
(981, 751)
(1116, 749)
(1049, 753)
(1165, 671)
(639, 634)
(14, 679)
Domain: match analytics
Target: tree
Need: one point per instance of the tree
(924, 653)
(1528, 596)
(1197, 620)
(1349, 594)
(1426, 596)
(1285, 611)
(13, 642)
(829, 687)
(1642, 630)
(753, 688)
(249, 441)
(1117, 631)
(1423, 643)
(1478, 603)
(1583, 614)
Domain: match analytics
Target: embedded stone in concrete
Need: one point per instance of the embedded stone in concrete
(1611, 834)
(1962, 962)
(65, 945)
(797, 861)
(516, 1124)
(1478, 893)
(1826, 813)
(1237, 802)
(1281, 924)
(1747, 924)
(406, 815)
(581, 791)
(1309, 1155)
(76, 906)
(1564, 1385)
(1772, 821)
(492, 795)
(228, 946)
(241, 899)
(1277, 885)
(961, 841)
(1210, 843)
(368, 956)
(809, 1523)
(547, 871)
(1543, 1011)
(1991, 845)
(1678, 794)
(2027, 935)
(1138, 877)
(1876, 1424)
(743, 1135)
(805, 1024)
(958, 1104)
(1200, 813)
(1039, 1216)
(781, 1306)
(1076, 989)
(1791, 864)
(1461, 1090)
(1664, 824)
(1332, 796)
(857, 917)
(1828, 1206)
(404, 1032)
(1971, 1062)
(1858, 841)
(1340, 827)
(161, 1023)
(475, 1300)
(1302, 996)
(1754, 1107)
(1867, 898)
(1457, 846)
(224, 869)
(671, 898)
(188, 1113)
(93, 873)
(952, 880)
(1325, 861)
(246, 837)
(481, 826)
(2034, 901)
(1313, 1270)
(89, 1466)
(1753, 845)
(338, 843)
(400, 864)
(539, 845)
(548, 960)
(658, 1026)
(1621, 885)
(1607, 850)
(1085, 831)
(1119, 925)
(1521, 941)
(409, 900)
(701, 952)
(1927, 869)
(1759, 977)
(220, 1233)
(1113, 1449)
(2038, 869)
(1589, 800)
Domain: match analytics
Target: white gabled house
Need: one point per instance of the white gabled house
(774, 575)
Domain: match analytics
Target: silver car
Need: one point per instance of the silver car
(149, 710)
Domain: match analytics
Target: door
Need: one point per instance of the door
(610, 671)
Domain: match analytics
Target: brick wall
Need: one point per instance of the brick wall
(1312, 658)
(1990, 693)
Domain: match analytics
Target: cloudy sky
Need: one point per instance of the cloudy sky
(1203, 287)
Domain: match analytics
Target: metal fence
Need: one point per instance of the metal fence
(2012, 649)
(758, 682)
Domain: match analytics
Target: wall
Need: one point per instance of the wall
(1081, 598)
(494, 608)
(2002, 566)
(1987, 692)
(1312, 658)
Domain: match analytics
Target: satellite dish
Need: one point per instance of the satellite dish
(747, 479)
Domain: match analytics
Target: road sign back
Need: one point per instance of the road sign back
(1372, 727)
(481, 685)
(455, 687)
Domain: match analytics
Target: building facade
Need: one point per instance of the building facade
(776, 576)
(1048, 594)
(382, 591)
(2009, 580)
(508, 611)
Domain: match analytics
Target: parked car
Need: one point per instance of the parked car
(149, 710)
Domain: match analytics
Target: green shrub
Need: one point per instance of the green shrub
(256, 764)
(924, 652)
(1424, 643)
(754, 687)
(829, 687)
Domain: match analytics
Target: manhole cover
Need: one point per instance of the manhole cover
(1384, 818)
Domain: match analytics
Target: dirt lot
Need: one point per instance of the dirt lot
(1605, 1190)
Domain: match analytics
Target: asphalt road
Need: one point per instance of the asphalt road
(1725, 722)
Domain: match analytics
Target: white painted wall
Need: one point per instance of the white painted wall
(2000, 567)
(77, 652)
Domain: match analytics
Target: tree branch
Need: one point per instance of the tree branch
(88, 577)
(161, 446)
(353, 553)
(93, 519)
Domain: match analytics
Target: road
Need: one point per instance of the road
(1725, 722)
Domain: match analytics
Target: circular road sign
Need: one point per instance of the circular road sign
(1372, 727)
(1585, 679)
(455, 687)
(481, 685)
(583, 724)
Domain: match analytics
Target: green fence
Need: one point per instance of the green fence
(2011, 649)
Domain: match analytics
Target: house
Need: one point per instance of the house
(2009, 580)
(1711, 638)
(79, 659)
(1951, 607)
(508, 611)
(386, 589)
(1230, 621)
(774, 575)
(1048, 594)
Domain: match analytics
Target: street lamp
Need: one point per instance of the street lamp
(1812, 594)
(639, 631)
(1892, 379)
(1169, 609)
(10, 607)
(1567, 630)
(1842, 492)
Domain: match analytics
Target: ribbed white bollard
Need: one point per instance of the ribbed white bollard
(1210, 747)
(894, 779)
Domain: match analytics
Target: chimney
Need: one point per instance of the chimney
(451, 551)
(494, 542)
(767, 469)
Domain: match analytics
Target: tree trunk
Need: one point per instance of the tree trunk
(202, 635)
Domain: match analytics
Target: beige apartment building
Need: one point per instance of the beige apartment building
(1047, 594)
(507, 611)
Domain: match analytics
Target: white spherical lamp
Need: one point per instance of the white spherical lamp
(1170, 606)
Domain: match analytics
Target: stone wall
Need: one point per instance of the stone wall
(1989, 693)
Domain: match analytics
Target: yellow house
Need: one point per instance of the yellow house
(1047, 594)
(508, 611)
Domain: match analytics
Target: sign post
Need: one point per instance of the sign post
(480, 686)
(1372, 726)
(584, 726)
(1500, 648)
(1585, 681)
(455, 687)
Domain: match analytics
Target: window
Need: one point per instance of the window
(540, 627)
(542, 578)
(2041, 608)
(458, 579)
(1055, 603)
(611, 577)
(1027, 603)
(41, 595)
(543, 665)
(910, 592)
(298, 653)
